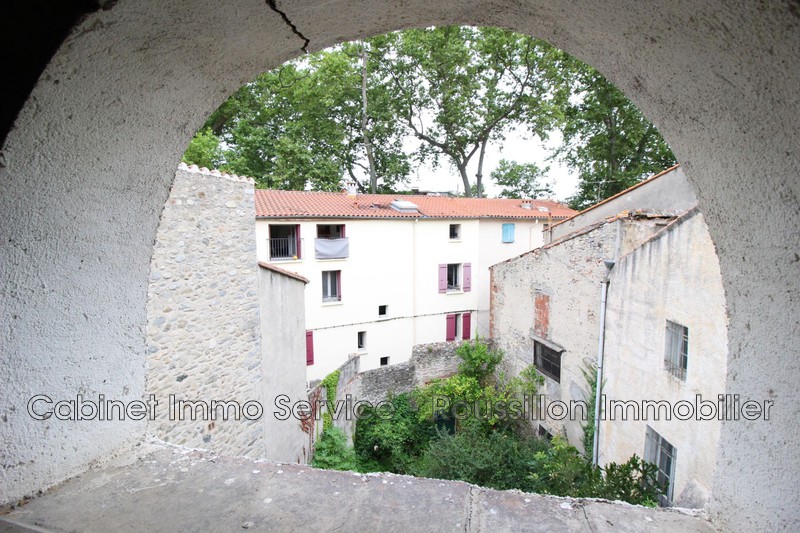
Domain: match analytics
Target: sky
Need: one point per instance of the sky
(518, 147)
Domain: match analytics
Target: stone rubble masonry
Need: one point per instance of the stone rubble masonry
(428, 362)
(203, 336)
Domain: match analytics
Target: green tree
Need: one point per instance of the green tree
(520, 180)
(607, 140)
(204, 150)
(458, 89)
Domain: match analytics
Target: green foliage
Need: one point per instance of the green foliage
(562, 471)
(331, 451)
(392, 443)
(204, 150)
(477, 361)
(520, 180)
(493, 459)
(590, 375)
(607, 140)
(330, 383)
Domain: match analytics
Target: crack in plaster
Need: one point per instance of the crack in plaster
(273, 5)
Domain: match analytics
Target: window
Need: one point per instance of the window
(662, 454)
(284, 242)
(362, 340)
(309, 348)
(455, 277)
(508, 232)
(676, 353)
(331, 285)
(330, 231)
(547, 360)
(544, 434)
(383, 310)
(455, 232)
(384, 360)
(458, 326)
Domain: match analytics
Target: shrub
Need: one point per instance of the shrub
(477, 361)
(331, 451)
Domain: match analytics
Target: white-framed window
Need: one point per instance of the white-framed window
(455, 232)
(676, 351)
(455, 277)
(285, 243)
(660, 452)
(331, 285)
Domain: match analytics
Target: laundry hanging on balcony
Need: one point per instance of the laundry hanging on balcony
(332, 248)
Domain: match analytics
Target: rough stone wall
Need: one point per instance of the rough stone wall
(427, 362)
(203, 336)
(554, 292)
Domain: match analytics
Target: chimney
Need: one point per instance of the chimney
(352, 189)
(526, 204)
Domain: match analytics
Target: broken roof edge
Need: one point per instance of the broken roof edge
(676, 221)
(279, 270)
(621, 193)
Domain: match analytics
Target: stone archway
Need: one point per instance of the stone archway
(87, 168)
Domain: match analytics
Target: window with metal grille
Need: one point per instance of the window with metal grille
(547, 360)
(544, 434)
(662, 454)
(676, 352)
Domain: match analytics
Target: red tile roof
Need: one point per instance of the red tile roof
(279, 270)
(309, 204)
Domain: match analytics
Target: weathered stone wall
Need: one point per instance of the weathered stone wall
(427, 362)
(564, 278)
(203, 336)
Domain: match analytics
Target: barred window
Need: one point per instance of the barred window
(676, 353)
(662, 454)
(547, 360)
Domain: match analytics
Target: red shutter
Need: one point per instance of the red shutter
(299, 242)
(467, 286)
(309, 347)
(466, 327)
(339, 284)
(451, 328)
(442, 278)
(343, 231)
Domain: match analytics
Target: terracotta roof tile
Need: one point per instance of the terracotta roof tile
(310, 204)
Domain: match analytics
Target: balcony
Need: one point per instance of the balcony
(285, 248)
(332, 248)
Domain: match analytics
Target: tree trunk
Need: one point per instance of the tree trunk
(462, 170)
(479, 174)
(373, 175)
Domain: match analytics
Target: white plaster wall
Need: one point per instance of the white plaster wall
(87, 169)
(283, 364)
(675, 276)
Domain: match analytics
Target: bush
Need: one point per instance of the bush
(393, 444)
(490, 459)
(331, 451)
(477, 361)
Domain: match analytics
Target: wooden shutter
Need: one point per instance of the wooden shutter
(451, 328)
(442, 278)
(466, 327)
(309, 347)
(298, 243)
(339, 284)
(467, 285)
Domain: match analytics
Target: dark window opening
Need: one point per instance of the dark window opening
(544, 434)
(547, 361)
(330, 231)
(384, 360)
(662, 454)
(382, 310)
(362, 340)
(455, 231)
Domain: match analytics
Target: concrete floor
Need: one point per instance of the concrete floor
(158, 487)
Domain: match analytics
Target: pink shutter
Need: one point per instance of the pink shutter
(309, 347)
(451, 328)
(343, 231)
(466, 326)
(467, 286)
(442, 278)
(339, 284)
(299, 242)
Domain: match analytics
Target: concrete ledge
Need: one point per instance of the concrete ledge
(166, 488)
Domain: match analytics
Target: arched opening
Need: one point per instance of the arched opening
(88, 166)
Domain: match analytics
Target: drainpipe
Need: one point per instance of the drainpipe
(600, 352)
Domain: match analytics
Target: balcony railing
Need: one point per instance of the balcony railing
(332, 248)
(284, 249)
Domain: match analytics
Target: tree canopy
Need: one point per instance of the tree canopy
(369, 111)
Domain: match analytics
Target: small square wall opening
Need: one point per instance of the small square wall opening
(383, 310)
(362, 340)
(384, 360)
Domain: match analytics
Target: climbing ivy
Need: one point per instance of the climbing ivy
(330, 383)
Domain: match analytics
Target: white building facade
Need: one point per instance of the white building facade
(387, 272)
